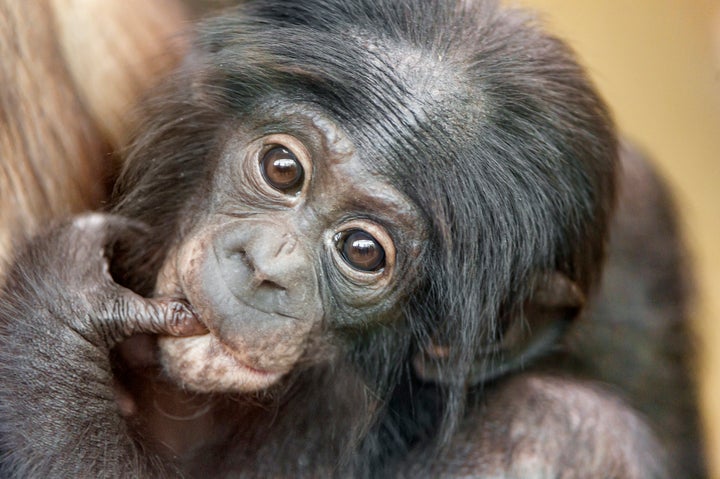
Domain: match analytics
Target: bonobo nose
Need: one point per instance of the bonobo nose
(268, 260)
(259, 278)
(266, 267)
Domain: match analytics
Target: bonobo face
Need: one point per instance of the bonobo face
(299, 241)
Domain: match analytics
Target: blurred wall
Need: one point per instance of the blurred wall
(658, 64)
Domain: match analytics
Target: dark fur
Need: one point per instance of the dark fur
(636, 335)
(525, 186)
(494, 132)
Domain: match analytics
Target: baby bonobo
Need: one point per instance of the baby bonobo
(350, 239)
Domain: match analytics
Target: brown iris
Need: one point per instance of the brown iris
(361, 251)
(282, 170)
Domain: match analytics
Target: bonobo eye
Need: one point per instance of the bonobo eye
(364, 252)
(361, 250)
(281, 169)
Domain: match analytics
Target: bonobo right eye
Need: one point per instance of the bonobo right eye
(282, 170)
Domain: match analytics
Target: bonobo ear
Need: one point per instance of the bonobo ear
(556, 301)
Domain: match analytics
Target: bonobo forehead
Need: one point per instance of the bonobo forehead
(412, 107)
(399, 100)
(408, 98)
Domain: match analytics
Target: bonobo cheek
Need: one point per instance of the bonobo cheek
(258, 296)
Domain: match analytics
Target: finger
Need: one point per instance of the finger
(128, 314)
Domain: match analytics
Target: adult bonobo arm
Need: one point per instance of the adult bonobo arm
(60, 313)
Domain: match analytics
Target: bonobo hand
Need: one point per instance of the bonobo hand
(65, 271)
(60, 314)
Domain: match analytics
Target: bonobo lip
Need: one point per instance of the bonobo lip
(203, 364)
(267, 374)
(229, 350)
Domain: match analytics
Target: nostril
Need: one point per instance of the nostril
(256, 274)
(270, 285)
(242, 257)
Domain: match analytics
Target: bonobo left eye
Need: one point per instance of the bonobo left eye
(361, 250)
(364, 252)
(282, 170)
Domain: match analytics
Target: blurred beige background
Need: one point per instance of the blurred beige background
(658, 64)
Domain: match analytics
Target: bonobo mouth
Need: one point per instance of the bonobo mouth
(243, 365)
(221, 329)
(207, 363)
(228, 349)
(246, 348)
(203, 364)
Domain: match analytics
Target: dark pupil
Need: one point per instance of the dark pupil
(281, 169)
(361, 251)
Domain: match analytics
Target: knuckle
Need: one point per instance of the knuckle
(90, 221)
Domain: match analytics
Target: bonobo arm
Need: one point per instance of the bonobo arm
(60, 314)
(537, 426)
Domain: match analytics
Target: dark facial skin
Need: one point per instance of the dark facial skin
(261, 261)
